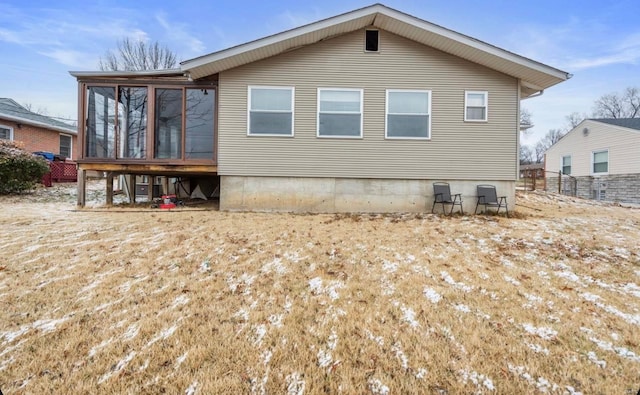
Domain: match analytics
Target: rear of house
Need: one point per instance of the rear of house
(359, 112)
(599, 159)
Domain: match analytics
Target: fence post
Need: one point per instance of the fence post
(559, 181)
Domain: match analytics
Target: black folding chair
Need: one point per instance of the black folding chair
(488, 197)
(442, 195)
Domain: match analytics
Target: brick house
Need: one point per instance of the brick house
(37, 132)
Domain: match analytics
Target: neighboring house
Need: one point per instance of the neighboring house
(600, 159)
(534, 170)
(37, 132)
(359, 112)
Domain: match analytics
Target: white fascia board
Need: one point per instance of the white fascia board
(279, 37)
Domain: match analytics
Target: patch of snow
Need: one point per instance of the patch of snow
(631, 288)
(397, 350)
(421, 374)
(477, 379)
(608, 346)
(243, 314)
(541, 332)
(389, 267)
(377, 388)
(593, 358)
(266, 356)
(511, 280)
(295, 384)
(260, 331)
(131, 332)
(192, 389)
(180, 301)
(409, 316)
(275, 266)
(449, 280)
(276, 320)
(538, 349)
(181, 359)
(324, 358)
(431, 294)
(121, 365)
(377, 339)
(163, 335)
(461, 307)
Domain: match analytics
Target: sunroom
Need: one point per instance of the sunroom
(154, 127)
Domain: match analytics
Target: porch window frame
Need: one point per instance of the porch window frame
(150, 137)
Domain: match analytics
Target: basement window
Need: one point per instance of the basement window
(372, 40)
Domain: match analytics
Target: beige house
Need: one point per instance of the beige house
(600, 159)
(359, 112)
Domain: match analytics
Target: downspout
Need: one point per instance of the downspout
(540, 93)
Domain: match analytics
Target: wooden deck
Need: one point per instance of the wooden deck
(131, 170)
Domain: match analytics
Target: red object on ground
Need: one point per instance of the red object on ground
(167, 206)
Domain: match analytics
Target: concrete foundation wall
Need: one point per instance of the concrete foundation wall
(624, 188)
(328, 195)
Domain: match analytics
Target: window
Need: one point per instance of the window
(101, 118)
(168, 124)
(339, 113)
(132, 122)
(475, 104)
(65, 145)
(199, 124)
(600, 161)
(270, 111)
(566, 164)
(408, 114)
(371, 41)
(6, 133)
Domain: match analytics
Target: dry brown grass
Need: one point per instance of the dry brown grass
(204, 302)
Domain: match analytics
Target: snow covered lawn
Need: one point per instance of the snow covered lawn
(203, 302)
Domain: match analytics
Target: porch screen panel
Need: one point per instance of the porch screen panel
(132, 122)
(168, 124)
(199, 128)
(100, 126)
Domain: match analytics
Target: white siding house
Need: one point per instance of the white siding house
(600, 159)
(358, 112)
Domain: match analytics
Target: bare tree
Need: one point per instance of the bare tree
(526, 155)
(30, 107)
(133, 55)
(614, 105)
(525, 121)
(574, 119)
(552, 137)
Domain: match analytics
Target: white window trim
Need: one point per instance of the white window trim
(562, 163)
(10, 131)
(70, 145)
(343, 112)
(293, 95)
(593, 154)
(386, 114)
(486, 106)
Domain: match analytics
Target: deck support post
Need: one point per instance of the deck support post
(150, 183)
(131, 180)
(109, 188)
(82, 187)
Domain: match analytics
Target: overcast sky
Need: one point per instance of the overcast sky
(40, 41)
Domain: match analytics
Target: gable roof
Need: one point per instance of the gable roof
(534, 76)
(631, 123)
(13, 111)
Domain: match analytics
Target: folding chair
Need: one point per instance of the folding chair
(442, 195)
(488, 197)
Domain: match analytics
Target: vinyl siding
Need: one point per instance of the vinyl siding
(623, 145)
(456, 150)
